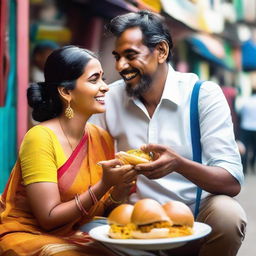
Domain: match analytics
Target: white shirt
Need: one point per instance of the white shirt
(248, 114)
(129, 123)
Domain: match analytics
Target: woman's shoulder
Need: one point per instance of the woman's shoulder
(38, 136)
(39, 131)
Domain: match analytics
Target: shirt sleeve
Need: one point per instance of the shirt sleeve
(219, 147)
(37, 157)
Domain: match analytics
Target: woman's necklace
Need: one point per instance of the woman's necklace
(66, 137)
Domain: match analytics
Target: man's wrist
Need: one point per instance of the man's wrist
(182, 164)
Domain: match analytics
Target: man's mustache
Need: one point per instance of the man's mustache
(126, 72)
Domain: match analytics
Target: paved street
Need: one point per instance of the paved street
(248, 201)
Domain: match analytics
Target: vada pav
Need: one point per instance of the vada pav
(133, 157)
(119, 220)
(150, 219)
(182, 218)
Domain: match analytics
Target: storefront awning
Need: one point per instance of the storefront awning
(195, 15)
(211, 49)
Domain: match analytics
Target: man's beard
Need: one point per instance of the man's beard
(137, 90)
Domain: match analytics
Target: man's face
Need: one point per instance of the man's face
(135, 62)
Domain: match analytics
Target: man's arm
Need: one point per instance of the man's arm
(221, 171)
(213, 179)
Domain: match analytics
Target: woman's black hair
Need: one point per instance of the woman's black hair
(62, 68)
(152, 26)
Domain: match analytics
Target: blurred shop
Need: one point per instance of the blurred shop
(214, 38)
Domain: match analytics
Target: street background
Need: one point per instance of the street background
(215, 39)
(246, 199)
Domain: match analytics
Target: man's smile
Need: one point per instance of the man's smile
(127, 76)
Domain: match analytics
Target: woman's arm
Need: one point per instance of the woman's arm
(51, 212)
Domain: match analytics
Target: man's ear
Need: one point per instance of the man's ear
(163, 50)
(64, 93)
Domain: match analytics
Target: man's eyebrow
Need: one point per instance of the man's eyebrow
(125, 52)
(130, 51)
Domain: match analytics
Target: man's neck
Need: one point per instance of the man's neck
(153, 96)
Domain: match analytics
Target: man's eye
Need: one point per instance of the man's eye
(116, 57)
(130, 56)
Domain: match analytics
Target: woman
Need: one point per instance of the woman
(56, 185)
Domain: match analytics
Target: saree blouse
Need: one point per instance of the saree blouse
(42, 159)
(41, 155)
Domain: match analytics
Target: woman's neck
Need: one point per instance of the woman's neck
(74, 128)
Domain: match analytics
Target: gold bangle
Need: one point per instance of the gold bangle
(92, 195)
(80, 206)
(114, 201)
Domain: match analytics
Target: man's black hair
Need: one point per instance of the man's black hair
(152, 26)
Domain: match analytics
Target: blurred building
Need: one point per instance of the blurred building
(214, 38)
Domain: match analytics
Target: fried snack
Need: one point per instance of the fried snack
(133, 157)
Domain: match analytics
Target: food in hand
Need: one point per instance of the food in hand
(150, 219)
(133, 157)
(182, 218)
(120, 222)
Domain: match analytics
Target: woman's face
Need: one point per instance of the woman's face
(88, 95)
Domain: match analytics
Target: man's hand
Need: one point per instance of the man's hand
(165, 160)
(213, 179)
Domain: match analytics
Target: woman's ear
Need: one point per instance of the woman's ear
(163, 50)
(64, 93)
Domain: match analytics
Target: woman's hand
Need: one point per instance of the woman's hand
(114, 173)
(121, 191)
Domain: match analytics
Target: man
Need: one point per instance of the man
(151, 106)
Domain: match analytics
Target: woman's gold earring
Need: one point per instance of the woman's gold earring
(69, 113)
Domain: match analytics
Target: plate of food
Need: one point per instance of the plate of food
(147, 225)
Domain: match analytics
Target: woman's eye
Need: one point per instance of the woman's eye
(103, 79)
(93, 81)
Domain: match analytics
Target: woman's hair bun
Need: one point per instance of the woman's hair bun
(39, 100)
(36, 94)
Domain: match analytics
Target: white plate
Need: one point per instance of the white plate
(100, 233)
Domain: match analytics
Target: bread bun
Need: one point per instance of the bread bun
(120, 222)
(182, 218)
(147, 219)
(121, 215)
(179, 213)
(150, 219)
(147, 211)
(133, 157)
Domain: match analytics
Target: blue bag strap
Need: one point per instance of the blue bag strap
(195, 136)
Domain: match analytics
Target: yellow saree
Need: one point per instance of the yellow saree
(20, 233)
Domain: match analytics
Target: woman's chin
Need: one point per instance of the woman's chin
(100, 109)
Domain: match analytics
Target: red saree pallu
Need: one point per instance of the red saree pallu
(20, 233)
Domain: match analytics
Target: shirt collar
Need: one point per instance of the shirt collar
(171, 89)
